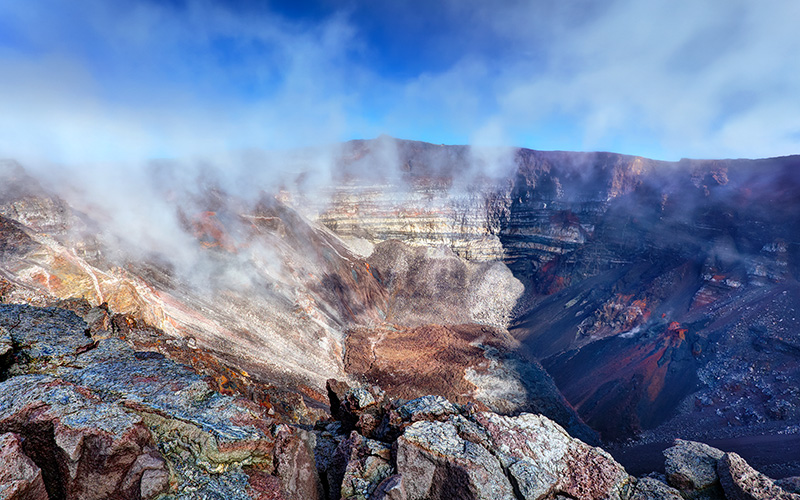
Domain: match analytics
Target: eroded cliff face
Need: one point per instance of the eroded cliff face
(658, 294)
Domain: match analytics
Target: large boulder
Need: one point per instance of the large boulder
(295, 464)
(742, 482)
(691, 467)
(543, 459)
(436, 463)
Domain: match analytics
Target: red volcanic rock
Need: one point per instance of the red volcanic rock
(294, 463)
(463, 363)
(742, 482)
(263, 486)
(20, 478)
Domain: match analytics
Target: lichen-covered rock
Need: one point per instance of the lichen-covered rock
(295, 464)
(20, 478)
(542, 458)
(5, 343)
(742, 482)
(691, 467)
(427, 408)
(436, 463)
(190, 441)
(648, 488)
(368, 463)
(175, 401)
(87, 448)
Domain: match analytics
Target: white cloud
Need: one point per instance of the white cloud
(98, 80)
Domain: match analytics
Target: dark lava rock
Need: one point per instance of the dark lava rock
(790, 484)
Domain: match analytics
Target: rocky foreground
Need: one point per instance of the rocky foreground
(86, 414)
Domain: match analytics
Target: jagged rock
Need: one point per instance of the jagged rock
(742, 482)
(648, 488)
(362, 407)
(369, 463)
(427, 408)
(436, 463)
(691, 467)
(295, 464)
(98, 319)
(207, 439)
(542, 458)
(154, 474)
(176, 402)
(391, 489)
(5, 343)
(48, 337)
(86, 448)
(330, 465)
(20, 478)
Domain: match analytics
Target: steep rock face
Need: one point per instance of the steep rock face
(681, 269)
(433, 285)
(274, 282)
(411, 191)
(661, 296)
(266, 299)
(643, 279)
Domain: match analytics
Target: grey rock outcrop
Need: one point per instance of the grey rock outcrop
(648, 488)
(543, 459)
(691, 467)
(741, 482)
(88, 449)
(436, 462)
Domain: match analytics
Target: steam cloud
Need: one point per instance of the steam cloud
(91, 91)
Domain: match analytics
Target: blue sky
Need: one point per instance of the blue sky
(88, 80)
